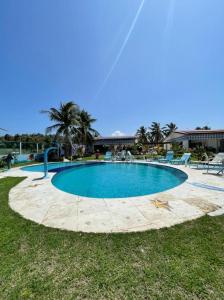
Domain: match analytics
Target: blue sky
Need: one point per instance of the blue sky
(165, 65)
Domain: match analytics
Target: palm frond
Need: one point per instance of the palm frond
(52, 128)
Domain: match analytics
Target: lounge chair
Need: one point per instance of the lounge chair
(183, 160)
(121, 155)
(200, 163)
(129, 156)
(117, 156)
(221, 171)
(217, 163)
(168, 158)
(108, 155)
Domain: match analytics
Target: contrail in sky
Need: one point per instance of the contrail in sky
(166, 36)
(122, 48)
(170, 16)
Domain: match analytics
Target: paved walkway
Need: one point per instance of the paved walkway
(38, 200)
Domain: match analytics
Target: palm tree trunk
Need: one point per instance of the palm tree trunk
(69, 138)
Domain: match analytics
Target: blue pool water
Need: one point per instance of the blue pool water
(51, 166)
(118, 180)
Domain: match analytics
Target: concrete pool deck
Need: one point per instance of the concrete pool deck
(39, 200)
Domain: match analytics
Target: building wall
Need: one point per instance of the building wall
(186, 144)
(213, 143)
(167, 146)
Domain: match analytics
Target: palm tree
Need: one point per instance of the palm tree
(143, 138)
(66, 119)
(171, 127)
(84, 132)
(156, 132)
(203, 128)
(142, 135)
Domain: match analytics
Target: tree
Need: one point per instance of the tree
(142, 135)
(203, 128)
(84, 132)
(17, 138)
(156, 132)
(8, 137)
(171, 127)
(143, 138)
(66, 119)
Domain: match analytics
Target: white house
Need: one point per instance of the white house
(191, 138)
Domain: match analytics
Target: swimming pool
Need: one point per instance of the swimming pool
(118, 180)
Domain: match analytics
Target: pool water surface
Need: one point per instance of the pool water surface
(118, 180)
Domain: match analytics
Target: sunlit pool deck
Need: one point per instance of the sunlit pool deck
(39, 200)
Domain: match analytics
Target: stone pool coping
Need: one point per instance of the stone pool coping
(39, 200)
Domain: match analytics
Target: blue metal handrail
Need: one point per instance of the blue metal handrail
(46, 151)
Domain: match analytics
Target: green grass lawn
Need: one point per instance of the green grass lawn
(183, 262)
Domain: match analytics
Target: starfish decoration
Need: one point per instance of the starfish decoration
(161, 204)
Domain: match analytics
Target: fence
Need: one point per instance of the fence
(20, 149)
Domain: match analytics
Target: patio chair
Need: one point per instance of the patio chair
(183, 160)
(200, 163)
(217, 163)
(129, 156)
(123, 155)
(108, 155)
(117, 156)
(168, 158)
(221, 171)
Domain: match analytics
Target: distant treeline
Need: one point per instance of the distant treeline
(28, 138)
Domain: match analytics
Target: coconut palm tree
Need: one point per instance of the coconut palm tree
(66, 119)
(171, 127)
(203, 128)
(84, 132)
(156, 132)
(142, 135)
(143, 138)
